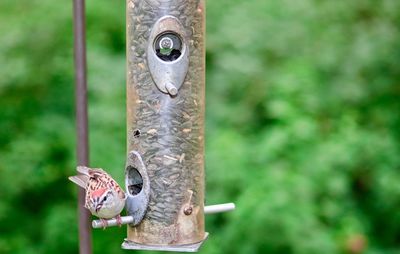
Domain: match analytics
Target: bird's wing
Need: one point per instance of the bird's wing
(100, 179)
(114, 185)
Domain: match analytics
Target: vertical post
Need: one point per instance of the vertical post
(82, 148)
(165, 117)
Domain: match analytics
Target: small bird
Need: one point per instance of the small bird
(104, 197)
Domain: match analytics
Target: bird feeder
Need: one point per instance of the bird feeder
(164, 173)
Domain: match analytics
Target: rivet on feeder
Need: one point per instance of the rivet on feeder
(188, 210)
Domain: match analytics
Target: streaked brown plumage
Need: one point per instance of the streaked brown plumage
(104, 197)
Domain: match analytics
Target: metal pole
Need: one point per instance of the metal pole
(85, 241)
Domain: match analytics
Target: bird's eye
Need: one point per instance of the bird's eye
(105, 198)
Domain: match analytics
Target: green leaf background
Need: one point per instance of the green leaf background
(302, 124)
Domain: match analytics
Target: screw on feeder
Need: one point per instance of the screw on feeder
(166, 43)
(188, 210)
(168, 46)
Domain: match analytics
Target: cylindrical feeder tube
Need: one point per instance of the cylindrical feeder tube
(165, 117)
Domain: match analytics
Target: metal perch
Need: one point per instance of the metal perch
(211, 209)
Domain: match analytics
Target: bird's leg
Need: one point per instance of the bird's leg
(104, 222)
(119, 220)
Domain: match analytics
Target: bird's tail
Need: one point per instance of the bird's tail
(83, 170)
(82, 178)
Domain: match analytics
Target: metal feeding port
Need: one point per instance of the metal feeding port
(168, 54)
(137, 185)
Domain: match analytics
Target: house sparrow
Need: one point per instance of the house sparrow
(104, 197)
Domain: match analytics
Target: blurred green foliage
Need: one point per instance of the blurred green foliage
(303, 124)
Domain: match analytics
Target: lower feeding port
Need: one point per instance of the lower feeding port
(135, 180)
(137, 185)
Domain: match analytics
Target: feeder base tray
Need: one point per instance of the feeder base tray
(129, 245)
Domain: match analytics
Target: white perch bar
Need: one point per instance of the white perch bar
(112, 222)
(210, 209)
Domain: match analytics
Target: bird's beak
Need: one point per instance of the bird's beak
(98, 208)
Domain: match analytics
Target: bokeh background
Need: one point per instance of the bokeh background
(302, 129)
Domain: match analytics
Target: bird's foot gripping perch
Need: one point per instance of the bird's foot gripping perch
(104, 223)
(119, 220)
(123, 220)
